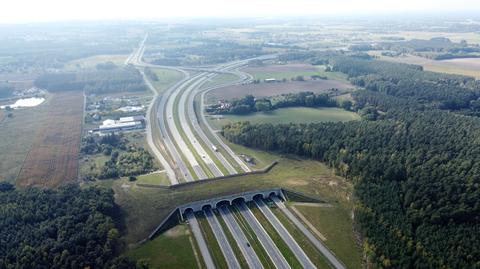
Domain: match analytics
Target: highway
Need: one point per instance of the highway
(202, 245)
(150, 140)
(287, 238)
(222, 240)
(177, 137)
(184, 124)
(319, 245)
(272, 250)
(178, 102)
(245, 247)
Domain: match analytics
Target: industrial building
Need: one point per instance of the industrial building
(123, 124)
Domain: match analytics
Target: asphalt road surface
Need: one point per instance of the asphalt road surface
(287, 238)
(202, 245)
(222, 240)
(319, 245)
(272, 250)
(245, 247)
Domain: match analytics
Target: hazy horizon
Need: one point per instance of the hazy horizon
(29, 11)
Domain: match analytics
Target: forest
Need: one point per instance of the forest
(415, 167)
(70, 227)
(96, 82)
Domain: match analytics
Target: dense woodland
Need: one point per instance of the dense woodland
(250, 104)
(65, 228)
(416, 166)
(96, 82)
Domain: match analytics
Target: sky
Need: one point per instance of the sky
(26, 11)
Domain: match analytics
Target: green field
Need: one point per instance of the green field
(220, 79)
(154, 179)
(336, 225)
(320, 71)
(91, 62)
(287, 115)
(163, 251)
(166, 78)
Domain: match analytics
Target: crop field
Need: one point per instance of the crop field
(279, 72)
(18, 133)
(53, 157)
(464, 66)
(287, 115)
(91, 62)
(271, 89)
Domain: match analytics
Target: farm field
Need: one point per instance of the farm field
(289, 71)
(17, 135)
(271, 89)
(464, 66)
(287, 115)
(53, 157)
(91, 62)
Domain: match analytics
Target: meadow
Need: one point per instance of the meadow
(287, 115)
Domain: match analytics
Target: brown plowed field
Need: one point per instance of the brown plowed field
(53, 157)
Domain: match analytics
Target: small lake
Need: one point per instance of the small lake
(25, 102)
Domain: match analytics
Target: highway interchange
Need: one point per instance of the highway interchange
(188, 149)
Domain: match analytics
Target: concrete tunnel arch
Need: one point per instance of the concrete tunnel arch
(258, 196)
(223, 202)
(238, 199)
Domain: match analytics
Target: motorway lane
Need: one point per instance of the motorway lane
(166, 135)
(182, 110)
(196, 126)
(222, 240)
(319, 245)
(245, 247)
(150, 139)
(272, 250)
(287, 238)
(170, 122)
(202, 245)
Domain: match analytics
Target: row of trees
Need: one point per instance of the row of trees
(70, 227)
(416, 168)
(250, 104)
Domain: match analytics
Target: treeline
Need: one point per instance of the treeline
(410, 82)
(71, 227)
(98, 82)
(250, 104)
